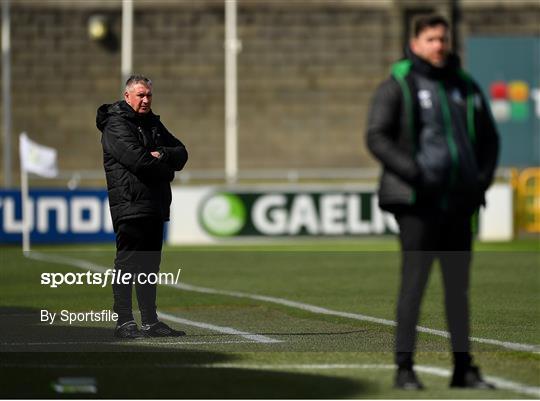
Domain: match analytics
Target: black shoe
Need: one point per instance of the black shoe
(406, 380)
(128, 330)
(470, 378)
(160, 329)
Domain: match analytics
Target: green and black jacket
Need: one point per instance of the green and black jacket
(433, 133)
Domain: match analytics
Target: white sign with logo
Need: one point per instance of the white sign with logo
(208, 214)
(211, 214)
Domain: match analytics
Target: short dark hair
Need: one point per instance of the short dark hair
(137, 79)
(423, 22)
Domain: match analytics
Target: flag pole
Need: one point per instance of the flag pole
(40, 160)
(25, 217)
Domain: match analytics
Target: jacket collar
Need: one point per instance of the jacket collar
(126, 111)
(424, 68)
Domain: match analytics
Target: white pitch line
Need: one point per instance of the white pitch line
(497, 381)
(85, 265)
(135, 341)
(501, 384)
(307, 307)
(356, 316)
(222, 329)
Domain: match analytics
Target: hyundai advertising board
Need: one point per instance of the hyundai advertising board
(57, 216)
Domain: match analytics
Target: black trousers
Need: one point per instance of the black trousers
(425, 238)
(138, 250)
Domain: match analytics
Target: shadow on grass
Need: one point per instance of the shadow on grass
(139, 370)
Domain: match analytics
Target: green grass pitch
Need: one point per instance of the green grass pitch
(313, 353)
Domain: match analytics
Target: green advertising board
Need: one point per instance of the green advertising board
(508, 71)
(293, 213)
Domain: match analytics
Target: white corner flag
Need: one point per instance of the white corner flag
(37, 159)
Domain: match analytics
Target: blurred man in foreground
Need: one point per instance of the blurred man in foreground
(140, 157)
(431, 129)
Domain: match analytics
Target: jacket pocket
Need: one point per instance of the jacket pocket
(434, 159)
(130, 188)
(115, 196)
(393, 190)
(141, 189)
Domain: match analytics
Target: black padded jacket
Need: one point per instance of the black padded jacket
(138, 184)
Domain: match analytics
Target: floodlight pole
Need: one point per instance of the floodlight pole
(6, 91)
(232, 47)
(127, 40)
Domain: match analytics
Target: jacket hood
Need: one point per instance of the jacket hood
(451, 67)
(120, 109)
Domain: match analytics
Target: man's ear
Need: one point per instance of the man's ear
(126, 96)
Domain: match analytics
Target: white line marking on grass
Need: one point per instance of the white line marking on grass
(227, 330)
(129, 342)
(311, 308)
(501, 384)
(356, 316)
(85, 265)
(497, 381)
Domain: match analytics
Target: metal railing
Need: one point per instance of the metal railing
(76, 178)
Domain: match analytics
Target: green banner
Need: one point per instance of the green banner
(226, 214)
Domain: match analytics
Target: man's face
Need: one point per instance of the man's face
(432, 45)
(139, 97)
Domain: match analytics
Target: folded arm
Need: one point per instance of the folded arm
(125, 147)
(174, 153)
